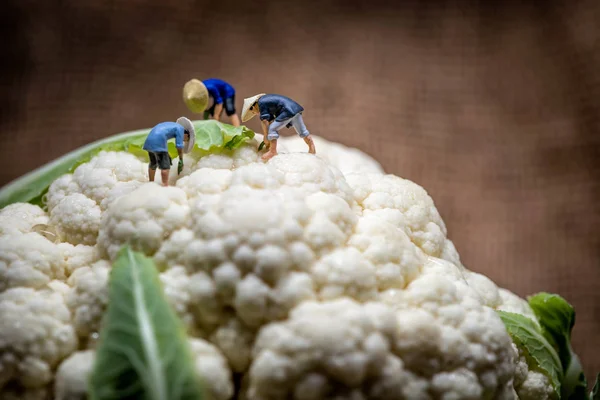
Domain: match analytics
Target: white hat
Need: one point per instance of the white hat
(187, 124)
(246, 114)
(195, 96)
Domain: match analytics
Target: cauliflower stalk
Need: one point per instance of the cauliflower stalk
(306, 277)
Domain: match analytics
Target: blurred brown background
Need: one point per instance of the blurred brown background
(493, 109)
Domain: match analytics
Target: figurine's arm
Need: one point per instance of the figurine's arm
(218, 111)
(265, 129)
(179, 136)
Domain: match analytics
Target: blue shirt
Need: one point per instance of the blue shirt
(277, 107)
(158, 136)
(218, 89)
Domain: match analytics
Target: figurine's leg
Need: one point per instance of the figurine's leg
(152, 166)
(272, 137)
(272, 151)
(164, 174)
(209, 112)
(311, 145)
(298, 124)
(164, 163)
(230, 111)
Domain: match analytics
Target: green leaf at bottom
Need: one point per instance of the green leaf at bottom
(143, 351)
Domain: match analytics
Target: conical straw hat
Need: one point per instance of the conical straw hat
(195, 96)
(246, 114)
(187, 124)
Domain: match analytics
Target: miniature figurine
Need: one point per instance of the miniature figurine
(276, 111)
(197, 94)
(157, 148)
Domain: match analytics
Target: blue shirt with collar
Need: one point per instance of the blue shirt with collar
(218, 89)
(158, 136)
(277, 107)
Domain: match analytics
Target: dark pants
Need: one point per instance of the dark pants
(162, 159)
(228, 105)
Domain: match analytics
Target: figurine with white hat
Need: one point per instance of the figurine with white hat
(197, 94)
(276, 111)
(156, 145)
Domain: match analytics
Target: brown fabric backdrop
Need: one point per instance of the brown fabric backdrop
(493, 109)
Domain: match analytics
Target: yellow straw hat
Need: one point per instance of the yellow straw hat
(246, 114)
(195, 96)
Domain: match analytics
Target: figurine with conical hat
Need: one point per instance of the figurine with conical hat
(197, 95)
(156, 145)
(276, 112)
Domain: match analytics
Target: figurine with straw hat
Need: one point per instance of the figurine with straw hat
(276, 112)
(197, 95)
(156, 145)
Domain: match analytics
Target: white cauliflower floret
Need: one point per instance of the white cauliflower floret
(218, 160)
(118, 190)
(205, 181)
(235, 341)
(346, 159)
(143, 218)
(102, 173)
(193, 298)
(82, 196)
(311, 175)
(29, 260)
(345, 272)
(449, 253)
(485, 288)
(212, 369)
(88, 297)
(224, 159)
(529, 382)
(337, 349)
(20, 218)
(214, 161)
(72, 376)
(35, 335)
(396, 260)
(245, 155)
(77, 219)
(59, 189)
(404, 204)
(180, 292)
(78, 256)
(444, 328)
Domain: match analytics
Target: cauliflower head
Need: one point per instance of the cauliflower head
(305, 277)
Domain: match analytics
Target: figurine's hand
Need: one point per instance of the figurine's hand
(180, 167)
